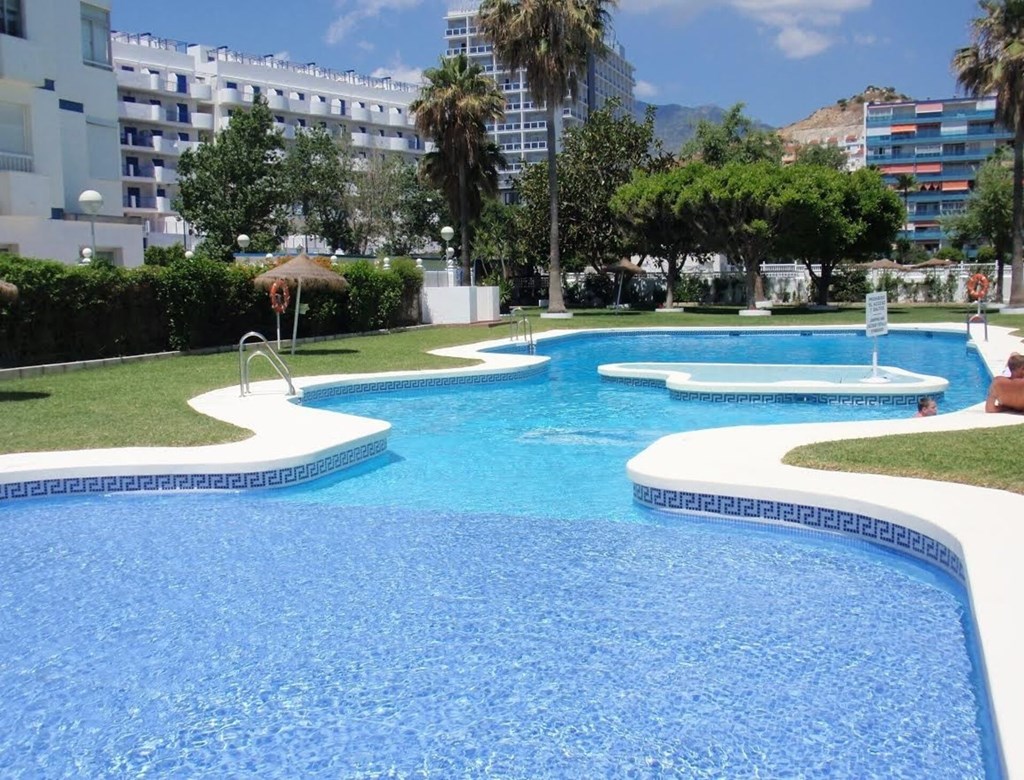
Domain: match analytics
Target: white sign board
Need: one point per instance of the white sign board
(877, 314)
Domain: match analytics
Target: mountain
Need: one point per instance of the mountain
(842, 119)
(675, 124)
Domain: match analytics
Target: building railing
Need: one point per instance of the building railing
(19, 163)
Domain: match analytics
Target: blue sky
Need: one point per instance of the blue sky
(782, 58)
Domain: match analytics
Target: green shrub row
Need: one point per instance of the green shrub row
(81, 313)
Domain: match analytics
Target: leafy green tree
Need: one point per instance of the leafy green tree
(653, 225)
(831, 217)
(498, 240)
(905, 182)
(734, 139)
(551, 41)
(318, 176)
(235, 184)
(822, 155)
(741, 215)
(454, 108)
(597, 158)
(377, 202)
(994, 63)
(988, 216)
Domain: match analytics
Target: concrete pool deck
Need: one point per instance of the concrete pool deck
(982, 526)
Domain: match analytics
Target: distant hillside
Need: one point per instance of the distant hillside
(675, 124)
(843, 118)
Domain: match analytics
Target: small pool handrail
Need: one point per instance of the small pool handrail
(262, 348)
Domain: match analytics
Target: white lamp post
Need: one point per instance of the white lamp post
(446, 235)
(86, 256)
(189, 254)
(243, 242)
(91, 202)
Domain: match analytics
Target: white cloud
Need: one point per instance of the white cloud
(645, 89)
(801, 26)
(400, 72)
(865, 40)
(355, 12)
(797, 43)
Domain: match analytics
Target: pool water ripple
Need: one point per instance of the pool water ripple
(273, 638)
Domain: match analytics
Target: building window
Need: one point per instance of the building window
(10, 18)
(95, 35)
(14, 138)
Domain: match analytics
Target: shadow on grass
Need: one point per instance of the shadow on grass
(323, 351)
(610, 313)
(22, 396)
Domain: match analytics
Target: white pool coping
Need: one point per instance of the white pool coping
(983, 526)
(695, 378)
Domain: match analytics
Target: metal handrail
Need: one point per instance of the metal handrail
(262, 348)
(519, 317)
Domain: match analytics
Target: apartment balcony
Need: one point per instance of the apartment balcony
(362, 140)
(200, 91)
(139, 202)
(396, 119)
(165, 175)
(202, 121)
(144, 112)
(146, 82)
(20, 163)
(359, 114)
(22, 61)
(297, 106)
(230, 95)
(287, 131)
(319, 108)
(277, 102)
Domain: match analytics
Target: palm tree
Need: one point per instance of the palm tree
(453, 108)
(551, 41)
(905, 182)
(994, 64)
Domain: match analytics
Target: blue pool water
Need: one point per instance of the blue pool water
(486, 601)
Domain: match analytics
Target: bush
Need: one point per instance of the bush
(890, 285)
(164, 255)
(691, 287)
(849, 285)
(374, 296)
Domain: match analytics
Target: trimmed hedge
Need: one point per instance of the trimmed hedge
(67, 312)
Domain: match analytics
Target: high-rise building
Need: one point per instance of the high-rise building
(521, 135)
(59, 133)
(171, 96)
(940, 144)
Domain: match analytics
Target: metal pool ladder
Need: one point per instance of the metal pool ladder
(262, 348)
(519, 318)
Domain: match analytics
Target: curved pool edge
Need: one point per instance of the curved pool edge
(290, 436)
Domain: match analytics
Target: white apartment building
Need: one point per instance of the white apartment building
(59, 132)
(172, 96)
(521, 135)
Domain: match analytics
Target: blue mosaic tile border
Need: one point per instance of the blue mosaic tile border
(387, 385)
(269, 478)
(804, 516)
(878, 399)
(801, 398)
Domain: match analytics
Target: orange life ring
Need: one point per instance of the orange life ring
(977, 287)
(280, 296)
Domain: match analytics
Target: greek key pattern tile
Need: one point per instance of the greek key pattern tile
(270, 478)
(635, 381)
(388, 385)
(805, 517)
(800, 398)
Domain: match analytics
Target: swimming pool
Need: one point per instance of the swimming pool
(485, 599)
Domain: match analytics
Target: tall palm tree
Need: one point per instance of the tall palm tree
(994, 64)
(905, 182)
(453, 108)
(550, 40)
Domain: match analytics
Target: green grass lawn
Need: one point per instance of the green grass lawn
(146, 403)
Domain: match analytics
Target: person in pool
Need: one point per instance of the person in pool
(926, 407)
(1006, 393)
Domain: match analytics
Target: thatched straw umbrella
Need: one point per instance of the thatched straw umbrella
(8, 292)
(301, 270)
(623, 267)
